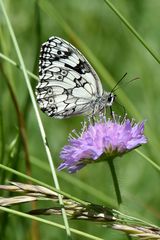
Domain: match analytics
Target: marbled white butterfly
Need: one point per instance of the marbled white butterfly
(68, 84)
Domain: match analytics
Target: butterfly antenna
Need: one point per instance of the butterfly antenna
(136, 78)
(114, 89)
(127, 83)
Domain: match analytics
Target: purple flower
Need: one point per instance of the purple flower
(110, 137)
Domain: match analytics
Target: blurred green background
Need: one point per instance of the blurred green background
(93, 28)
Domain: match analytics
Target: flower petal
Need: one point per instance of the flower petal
(110, 137)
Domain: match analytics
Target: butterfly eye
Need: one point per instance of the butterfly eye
(64, 73)
(110, 98)
(59, 77)
(51, 100)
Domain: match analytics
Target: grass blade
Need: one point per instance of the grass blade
(43, 135)
(132, 30)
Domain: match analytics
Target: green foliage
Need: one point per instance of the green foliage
(113, 50)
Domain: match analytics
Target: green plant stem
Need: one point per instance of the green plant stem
(21, 121)
(132, 30)
(43, 135)
(42, 220)
(124, 218)
(24, 176)
(155, 165)
(115, 181)
(4, 57)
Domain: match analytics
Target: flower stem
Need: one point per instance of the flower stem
(115, 181)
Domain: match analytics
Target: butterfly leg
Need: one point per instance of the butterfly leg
(84, 126)
(92, 119)
(102, 115)
(111, 112)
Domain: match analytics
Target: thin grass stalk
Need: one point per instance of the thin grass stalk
(83, 186)
(28, 216)
(38, 30)
(21, 122)
(22, 175)
(132, 30)
(23, 135)
(43, 135)
(155, 165)
(3, 56)
(103, 215)
(2, 136)
(35, 230)
(11, 157)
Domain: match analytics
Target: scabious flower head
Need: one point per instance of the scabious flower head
(108, 137)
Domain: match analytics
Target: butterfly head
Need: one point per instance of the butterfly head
(109, 98)
(102, 102)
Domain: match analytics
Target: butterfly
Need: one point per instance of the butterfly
(68, 84)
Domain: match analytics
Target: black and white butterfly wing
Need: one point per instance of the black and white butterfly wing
(68, 84)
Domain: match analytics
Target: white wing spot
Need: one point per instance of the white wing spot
(80, 93)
